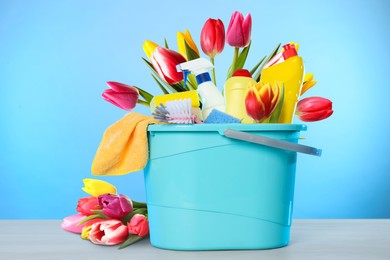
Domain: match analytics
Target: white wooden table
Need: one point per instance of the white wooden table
(310, 239)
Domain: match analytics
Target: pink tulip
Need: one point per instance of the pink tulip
(71, 223)
(138, 225)
(314, 109)
(115, 206)
(108, 232)
(261, 100)
(212, 37)
(239, 30)
(164, 62)
(85, 205)
(121, 95)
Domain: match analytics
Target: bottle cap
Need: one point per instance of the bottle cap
(289, 51)
(242, 73)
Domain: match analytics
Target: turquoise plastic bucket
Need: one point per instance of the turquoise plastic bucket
(206, 191)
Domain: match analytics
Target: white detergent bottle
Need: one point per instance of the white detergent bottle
(210, 95)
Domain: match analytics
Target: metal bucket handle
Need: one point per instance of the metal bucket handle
(267, 141)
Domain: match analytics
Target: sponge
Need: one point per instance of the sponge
(218, 117)
(158, 100)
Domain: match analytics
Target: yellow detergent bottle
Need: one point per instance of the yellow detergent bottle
(291, 73)
(235, 90)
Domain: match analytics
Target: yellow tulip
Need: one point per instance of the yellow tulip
(149, 47)
(85, 232)
(183, 38)
(98, 187)
(308, 82)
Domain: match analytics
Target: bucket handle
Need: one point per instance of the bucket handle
(267, 141)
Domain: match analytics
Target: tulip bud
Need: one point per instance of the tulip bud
(97, 187)
(212, 37)
(314, 109)
(138, 225)
(121, 95)
(182, 40)
(239, 30)
(87, 204)
(261, 100)
(115, 206)
(108, 232)
(164, 62)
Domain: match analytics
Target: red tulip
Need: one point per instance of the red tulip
(164, 62)
(212, 37)
(261, 100)
(86, 204)
(108, 232)
(314, 109)
(239, 30)
(138, 225)
(121, 95)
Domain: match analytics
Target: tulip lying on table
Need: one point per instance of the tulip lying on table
(314, 109)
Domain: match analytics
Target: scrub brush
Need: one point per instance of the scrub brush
(176, 112)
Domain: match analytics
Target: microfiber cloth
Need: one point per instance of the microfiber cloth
(124, 146)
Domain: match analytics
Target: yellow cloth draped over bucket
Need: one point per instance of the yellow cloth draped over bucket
(124, 146)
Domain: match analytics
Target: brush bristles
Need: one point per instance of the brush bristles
(175, 112)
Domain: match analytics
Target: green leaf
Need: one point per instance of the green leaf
(130, 240)
(143, 102)
(166, 43)
(137, 204)
(192, 84)
(240, 62)
(278, 109)
(191, 54)
(146, 95)
(242, 57)
(160, 85)
(272, 54)
(257, 66)
(84, 220)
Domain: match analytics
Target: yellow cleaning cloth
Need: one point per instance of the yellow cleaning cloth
(124, 146)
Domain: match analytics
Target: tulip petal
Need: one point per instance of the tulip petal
(315, 116)
(149, 47)
(246, 29)
(96, 187)
(312, 104)
(70, 223)
(164, 61)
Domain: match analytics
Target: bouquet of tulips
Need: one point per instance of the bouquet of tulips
(262, 99)
(108, 218)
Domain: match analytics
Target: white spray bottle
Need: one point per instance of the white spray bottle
(210, 95)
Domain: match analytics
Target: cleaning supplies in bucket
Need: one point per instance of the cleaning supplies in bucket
(291, 72)
(235, 90)
(210, 95)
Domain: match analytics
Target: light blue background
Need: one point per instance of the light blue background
(55, 57)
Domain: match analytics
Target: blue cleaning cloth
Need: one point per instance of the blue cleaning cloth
(218, 117)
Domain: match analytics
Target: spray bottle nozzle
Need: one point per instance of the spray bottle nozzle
(200, 67)
(196, 66)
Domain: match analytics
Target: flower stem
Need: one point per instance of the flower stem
(213, 72)
(144, 103)
(235, 57)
